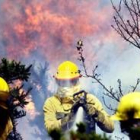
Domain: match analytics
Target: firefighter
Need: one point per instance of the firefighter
(57, 109)
(128, 114)
(5, 121)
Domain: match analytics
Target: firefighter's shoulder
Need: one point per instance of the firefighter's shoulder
(51, 101)
(91, 98)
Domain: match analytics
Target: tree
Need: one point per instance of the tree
(34, 75)
(80, 134)
(11, 71)
(127, 20)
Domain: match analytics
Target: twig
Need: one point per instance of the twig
(135, 87)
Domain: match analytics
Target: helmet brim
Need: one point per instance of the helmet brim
(115, 117)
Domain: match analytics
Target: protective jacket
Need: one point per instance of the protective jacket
(5, 121)
(54, 106)
(5, 124)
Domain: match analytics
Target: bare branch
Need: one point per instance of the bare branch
(108, 106)
(109, 92)
(127, 25)
(120, 89)
(135, 87)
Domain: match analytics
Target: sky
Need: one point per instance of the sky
(46, 32)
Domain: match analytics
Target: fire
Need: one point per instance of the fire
(49, 28)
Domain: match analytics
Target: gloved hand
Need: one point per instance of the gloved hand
(67, 121)
(91, 109)
(98, 115)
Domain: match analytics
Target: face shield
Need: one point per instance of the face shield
(66, 88)
(67, 83)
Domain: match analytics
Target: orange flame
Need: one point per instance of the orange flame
(50, 28)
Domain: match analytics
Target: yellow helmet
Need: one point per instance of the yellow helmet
(128, 108)
(4, 90)
(67, 70)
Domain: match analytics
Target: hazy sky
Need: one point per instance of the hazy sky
(48, 30)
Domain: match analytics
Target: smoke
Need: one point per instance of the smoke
(48, 31)
(42, 27)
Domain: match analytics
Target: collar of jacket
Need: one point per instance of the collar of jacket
(65, 99)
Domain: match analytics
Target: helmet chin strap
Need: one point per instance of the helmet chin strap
(68, 91)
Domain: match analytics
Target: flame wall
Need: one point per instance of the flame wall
(50, 29)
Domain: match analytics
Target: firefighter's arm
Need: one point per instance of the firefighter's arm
(50, 119)
(102, 118)
(7, 130)
(104, 121)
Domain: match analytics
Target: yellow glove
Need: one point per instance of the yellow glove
(98, 115)
(91, 109)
